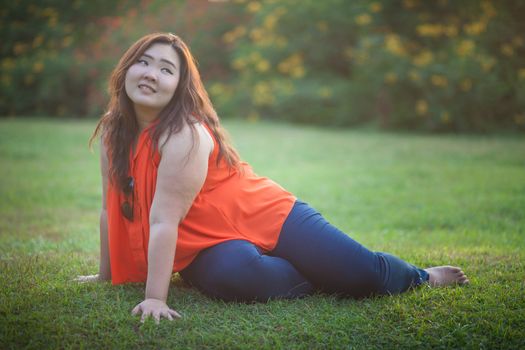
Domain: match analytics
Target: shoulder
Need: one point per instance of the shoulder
(186, 142)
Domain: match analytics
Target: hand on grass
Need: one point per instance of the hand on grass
(156, 309)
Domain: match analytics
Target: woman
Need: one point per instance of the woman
(177, 198)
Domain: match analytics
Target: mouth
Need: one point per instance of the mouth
(146, 87)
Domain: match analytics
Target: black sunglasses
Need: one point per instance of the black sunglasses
(126, 207)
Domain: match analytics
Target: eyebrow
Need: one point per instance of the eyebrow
(162, 60)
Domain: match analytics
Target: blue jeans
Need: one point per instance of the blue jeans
(311, 255)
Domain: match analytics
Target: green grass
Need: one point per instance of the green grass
(428, 199)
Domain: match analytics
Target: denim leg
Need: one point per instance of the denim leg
(398, 275)
(237, 271)
(336, 263)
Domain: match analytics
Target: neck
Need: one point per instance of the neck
(143, 123)
(144, 119)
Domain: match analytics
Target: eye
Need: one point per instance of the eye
(167, 70)
(142, 62)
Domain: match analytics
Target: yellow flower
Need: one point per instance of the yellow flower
(519, 119)
(281, 41)
(270, 21)
(255, 56)
(521, 73)
(38, 67)
(363, 19)
(67, 41)
(487, 63)
(507, 50)
(239, 63)
(475, 28)
(430, 30)
(217, 89)
(325, 92)
(445, 117)
(390, 78)
(466, 84)
(293, 65)
(49, 12)
(38, 41)
(421, 107)
(465, 48)
(488, 9)
(256, 34)
(375, 7)
(234, 34)
(393, 45)
(262, 94)
(253, 6)
(423, 58)
(8, 63)
(19, 48)
(297, 72)
(52, 22)
(322, 26)
(410, 3)
(262, 66)
(439, 80)
(414, 75)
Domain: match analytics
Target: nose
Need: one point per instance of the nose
(149, 75)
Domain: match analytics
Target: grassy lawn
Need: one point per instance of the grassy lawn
(429, 199)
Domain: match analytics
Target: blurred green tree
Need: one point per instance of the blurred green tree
(43, 71)
(411, 64)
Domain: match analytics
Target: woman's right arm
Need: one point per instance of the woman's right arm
(105, 266)
(104, 271)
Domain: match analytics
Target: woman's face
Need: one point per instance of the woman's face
(152, 80)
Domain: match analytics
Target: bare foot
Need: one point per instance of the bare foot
(441, 276)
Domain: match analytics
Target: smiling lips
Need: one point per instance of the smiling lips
(146, 87)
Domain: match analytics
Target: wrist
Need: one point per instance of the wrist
(154, 296)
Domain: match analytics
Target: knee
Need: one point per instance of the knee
(231, 279)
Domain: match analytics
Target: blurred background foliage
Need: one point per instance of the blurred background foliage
(402, 64)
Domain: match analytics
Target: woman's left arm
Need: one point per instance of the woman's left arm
(181, 174)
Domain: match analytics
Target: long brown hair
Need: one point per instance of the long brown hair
(190, 102)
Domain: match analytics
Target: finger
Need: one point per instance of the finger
(156, 317)
(174, 313)
(80, 279)
(135, 310)
(166, 314)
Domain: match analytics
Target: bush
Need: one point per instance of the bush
(410, 64)
(57, 55)
(43, 69)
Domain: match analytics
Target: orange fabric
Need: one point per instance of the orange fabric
(230, 205)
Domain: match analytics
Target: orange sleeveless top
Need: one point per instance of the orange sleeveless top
(230, 205)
